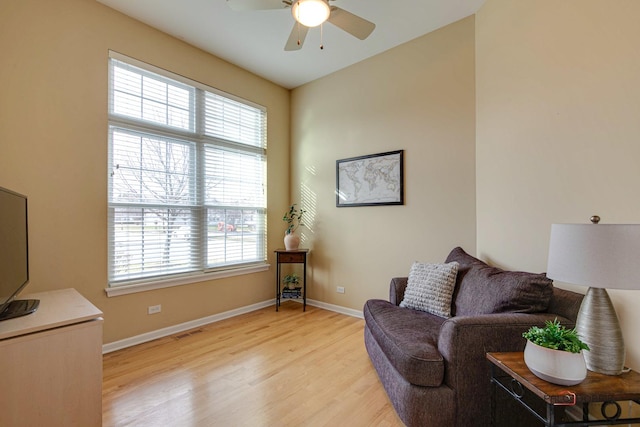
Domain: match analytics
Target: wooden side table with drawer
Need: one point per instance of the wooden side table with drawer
(510, 374)
(298, 256)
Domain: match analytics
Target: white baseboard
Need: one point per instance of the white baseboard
(337, 308)
(161, 333)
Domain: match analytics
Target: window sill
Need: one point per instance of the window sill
(184, 280)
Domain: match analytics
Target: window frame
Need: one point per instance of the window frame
(195, 134)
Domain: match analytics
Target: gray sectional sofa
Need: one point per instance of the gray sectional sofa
(433, 367)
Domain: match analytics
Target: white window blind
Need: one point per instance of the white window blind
(188, 177)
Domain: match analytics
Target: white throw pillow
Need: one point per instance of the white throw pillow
(430, 288)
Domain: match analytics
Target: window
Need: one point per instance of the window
(187, 181)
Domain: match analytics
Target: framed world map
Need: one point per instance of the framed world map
(374, 179)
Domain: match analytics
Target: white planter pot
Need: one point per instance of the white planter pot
(555, 366)
(291, 241)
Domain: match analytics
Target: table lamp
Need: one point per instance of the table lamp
(598, 256)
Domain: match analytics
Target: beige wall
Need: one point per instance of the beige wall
(558, 107)
(53, 148)
(541, 117)
(419, 97)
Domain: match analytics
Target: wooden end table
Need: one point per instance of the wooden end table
(298, 256)
(510, 374)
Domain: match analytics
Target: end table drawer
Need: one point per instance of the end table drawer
(292, 257)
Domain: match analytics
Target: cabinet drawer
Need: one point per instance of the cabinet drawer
(292, 257)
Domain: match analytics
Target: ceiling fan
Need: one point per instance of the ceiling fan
(309, 13)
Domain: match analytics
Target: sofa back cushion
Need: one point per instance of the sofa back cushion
(483, 289)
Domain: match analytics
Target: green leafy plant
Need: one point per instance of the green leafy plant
(291, 280)
(293, 218)
(556, 336)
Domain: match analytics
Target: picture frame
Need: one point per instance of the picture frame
(370, 180)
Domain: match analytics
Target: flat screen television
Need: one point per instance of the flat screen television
(14, 255)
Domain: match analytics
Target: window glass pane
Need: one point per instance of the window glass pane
(128, 82)
(151, 241)
(233, 179)
(179, 97)
(234, 236)
(154, 90)
(127, 104)
(152, 170)
(141, 95)
(178, 117)
(234, 121)
(154, 111)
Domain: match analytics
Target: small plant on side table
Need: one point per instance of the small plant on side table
(291, 281)
(293, 218)
(556, 337)
(554, 353)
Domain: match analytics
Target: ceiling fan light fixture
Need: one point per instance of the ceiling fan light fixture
(310, 13)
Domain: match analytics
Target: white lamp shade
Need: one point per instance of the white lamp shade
(595, 255)
(310, 13)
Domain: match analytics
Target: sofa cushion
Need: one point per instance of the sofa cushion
(430, 288)
(409, 340)
(482, 289)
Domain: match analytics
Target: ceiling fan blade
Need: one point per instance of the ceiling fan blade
(352, 24)
(245, 5)
(296, 38)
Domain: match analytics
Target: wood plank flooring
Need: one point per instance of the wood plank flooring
(290, 368)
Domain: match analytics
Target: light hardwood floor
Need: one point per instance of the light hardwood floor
(259, 369)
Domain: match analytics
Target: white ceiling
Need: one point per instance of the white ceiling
(255, 40)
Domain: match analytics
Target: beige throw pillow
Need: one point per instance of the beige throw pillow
(430, 288)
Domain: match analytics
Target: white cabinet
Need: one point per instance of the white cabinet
(51, 363)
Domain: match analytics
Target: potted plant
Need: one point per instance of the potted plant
(291, 281)
(554, 353)
(293, 218)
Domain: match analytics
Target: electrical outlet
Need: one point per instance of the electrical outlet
(340, 289)
(153, 309)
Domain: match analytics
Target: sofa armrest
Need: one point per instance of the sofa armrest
(396, 289)
(464, 337)
(463, 343)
